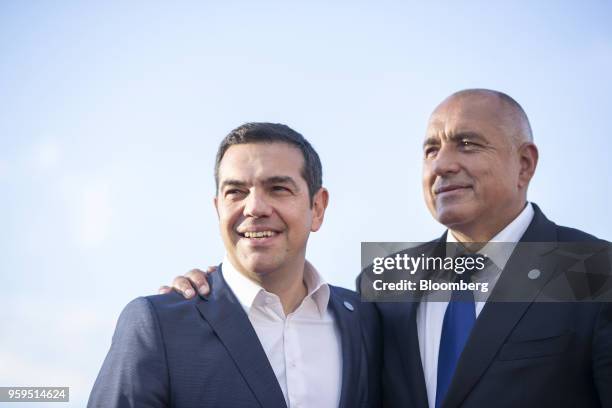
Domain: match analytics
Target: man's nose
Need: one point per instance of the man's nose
(257, 205)
(445, 162)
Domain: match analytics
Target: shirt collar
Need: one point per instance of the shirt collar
(247, 292)
(512, 233)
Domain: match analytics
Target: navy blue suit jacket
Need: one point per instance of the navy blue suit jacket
(529, 354)
(204, 352)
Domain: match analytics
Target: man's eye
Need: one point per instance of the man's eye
(233, 192)
(280, 188)
(467, 143)
(430, 151)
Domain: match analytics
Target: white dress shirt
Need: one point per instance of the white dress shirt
(304, 347)
(430, 315)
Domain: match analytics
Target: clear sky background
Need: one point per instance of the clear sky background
(111, 113)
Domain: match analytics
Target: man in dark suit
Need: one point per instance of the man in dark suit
(511, 348)
(271, 332)
(515, 349)
(529, 345)
(479, 157)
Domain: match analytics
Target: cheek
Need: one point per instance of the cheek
(426, 173)
(485, 172)
(299, 220)
(426, 182)
(495, 182)
(228, 218)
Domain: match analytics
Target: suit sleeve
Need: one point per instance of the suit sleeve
(602, 355)
(135, 371)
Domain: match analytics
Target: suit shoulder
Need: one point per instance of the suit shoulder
(139, 313)
(170, 300)
(137, 309)
(138, 324)
(344, 293)
(135, 368)
(565, 234)
(147, 316)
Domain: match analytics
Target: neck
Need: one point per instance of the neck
(286, 282)
(291, 289)
(474, 237)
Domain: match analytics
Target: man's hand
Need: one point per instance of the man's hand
(187, 284)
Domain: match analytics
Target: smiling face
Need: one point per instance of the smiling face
(264, 210)
(476, 169)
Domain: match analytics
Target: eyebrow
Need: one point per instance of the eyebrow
(281, 180)
(267, 182)
(457, 137)
(232, 183)
(431, 140)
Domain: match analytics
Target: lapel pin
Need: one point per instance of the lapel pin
(348, 306)
(534, 274)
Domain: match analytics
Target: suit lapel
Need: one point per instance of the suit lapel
(227, 318)
(350, 332)
(497, 319)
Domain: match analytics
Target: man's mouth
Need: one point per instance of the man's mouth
(449, 188)
(258, 234)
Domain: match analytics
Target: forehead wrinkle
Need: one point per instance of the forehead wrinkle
(508, 119)
(455, 119)
(432, 133)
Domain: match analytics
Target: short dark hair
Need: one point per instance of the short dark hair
(263, 132)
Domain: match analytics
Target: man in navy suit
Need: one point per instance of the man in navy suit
(479, 158)
(515, 349)
(271, 332)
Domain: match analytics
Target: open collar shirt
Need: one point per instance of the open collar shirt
(303, 347)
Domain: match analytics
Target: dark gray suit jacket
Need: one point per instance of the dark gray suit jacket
(204, 352)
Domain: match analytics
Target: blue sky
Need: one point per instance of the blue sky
(111, 113)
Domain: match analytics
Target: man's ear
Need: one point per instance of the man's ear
(528, 161)
(216, 205)
(319, 204)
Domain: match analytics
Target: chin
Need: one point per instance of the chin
(260, 264)
(452, 217)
